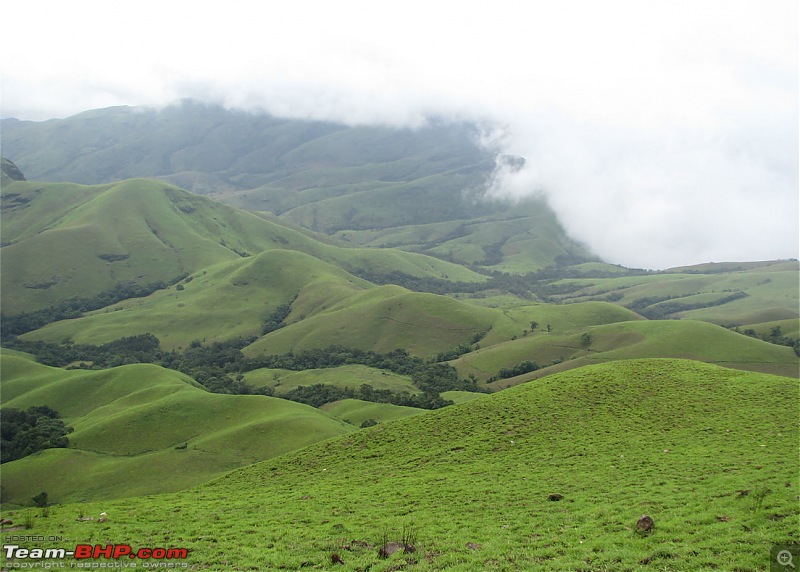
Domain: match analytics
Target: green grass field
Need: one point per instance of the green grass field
(248, 482)
(709, 453)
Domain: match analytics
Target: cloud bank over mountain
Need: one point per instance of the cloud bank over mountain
(662, 133)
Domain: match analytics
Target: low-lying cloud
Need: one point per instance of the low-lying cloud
(662, 133)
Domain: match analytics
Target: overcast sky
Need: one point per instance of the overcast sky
(663, 132)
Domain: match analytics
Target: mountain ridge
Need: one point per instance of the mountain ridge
(325, 177)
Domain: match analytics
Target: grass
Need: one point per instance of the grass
(709, 453)
(141, 429)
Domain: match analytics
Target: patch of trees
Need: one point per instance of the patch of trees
(454, 353)
(277, 319)
(23, 433)
(775, 336)
(144, 348)
(519, 369)
(438, 377)
(319, 394)
(75, 307)
(461, 349)
(420, 283)
(397, 361)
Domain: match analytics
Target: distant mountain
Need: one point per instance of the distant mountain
(416, 189)
(9, 171)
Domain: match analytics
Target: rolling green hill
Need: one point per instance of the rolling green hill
(229, 300)
(142, 429)
(548, 475)
(64, 240)
(356, 411)
(687, 339)
(384, 319)
(526, 236)
(741, 294)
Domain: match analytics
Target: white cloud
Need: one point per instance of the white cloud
(662, 132)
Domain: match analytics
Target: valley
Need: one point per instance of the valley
(298, 339)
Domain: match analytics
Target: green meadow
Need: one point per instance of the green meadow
(709, 453)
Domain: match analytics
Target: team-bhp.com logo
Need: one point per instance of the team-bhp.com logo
(94, 551)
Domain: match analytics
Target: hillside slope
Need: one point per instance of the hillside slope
(142, 429)
(708, 453)
(64, 240)
(687, 339)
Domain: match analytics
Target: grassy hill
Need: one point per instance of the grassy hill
(384, 319)
(524, 237)
(64, 240)
(217, 149)
(142, 429)
(687, 339)
(741, 294)
(356, 411)
(708, 453)
(229, 300)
